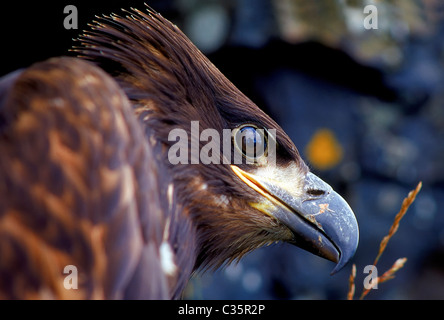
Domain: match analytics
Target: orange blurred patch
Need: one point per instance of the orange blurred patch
(324, 151)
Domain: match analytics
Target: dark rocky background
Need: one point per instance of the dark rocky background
(378, 94)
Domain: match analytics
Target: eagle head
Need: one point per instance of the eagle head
(202, 127)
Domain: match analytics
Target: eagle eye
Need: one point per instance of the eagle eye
(251, 142)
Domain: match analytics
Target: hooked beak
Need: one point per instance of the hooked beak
(321, 221)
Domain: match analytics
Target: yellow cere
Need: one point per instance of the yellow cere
(266, 206)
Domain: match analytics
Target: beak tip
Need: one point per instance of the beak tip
(341, 264)
(346, 255)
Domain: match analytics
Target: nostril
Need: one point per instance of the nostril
(316, 192)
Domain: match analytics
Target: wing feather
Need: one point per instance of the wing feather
(78, 186)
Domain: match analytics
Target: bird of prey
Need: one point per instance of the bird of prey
(86, 182)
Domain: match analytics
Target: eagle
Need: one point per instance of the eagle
(87, 181)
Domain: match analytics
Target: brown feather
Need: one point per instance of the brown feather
(71, 175)
(84, 174)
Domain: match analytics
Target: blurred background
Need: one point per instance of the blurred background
(365, 107)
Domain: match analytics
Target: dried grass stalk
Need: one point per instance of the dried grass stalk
(405, 205)
(389, 274)
(351, 283)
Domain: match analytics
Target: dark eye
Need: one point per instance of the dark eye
(251, 142)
